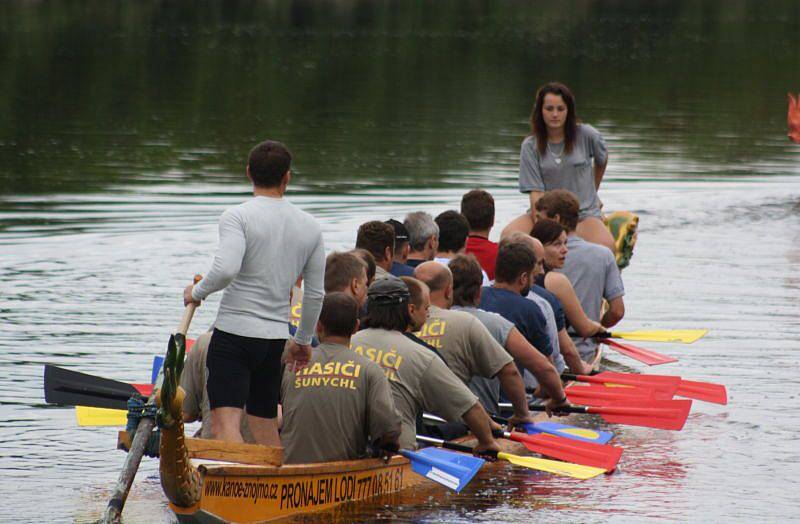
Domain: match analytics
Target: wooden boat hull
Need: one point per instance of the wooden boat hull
(249, 493)
(240, 493)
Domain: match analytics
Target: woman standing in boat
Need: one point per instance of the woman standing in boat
(562, 153)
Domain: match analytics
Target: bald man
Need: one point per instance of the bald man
(466, 345)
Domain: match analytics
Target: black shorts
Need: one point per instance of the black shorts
(244, 372)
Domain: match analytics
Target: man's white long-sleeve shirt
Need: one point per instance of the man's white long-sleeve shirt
(265, 244)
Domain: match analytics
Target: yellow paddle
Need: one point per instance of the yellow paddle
(556, 467)
(88, 416)
(684, 336)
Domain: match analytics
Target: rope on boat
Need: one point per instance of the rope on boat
(137, 410)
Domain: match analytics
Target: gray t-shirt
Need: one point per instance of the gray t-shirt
(334, 407)
(488, 389)
(264, 245)
(594, 275)
(419, 379)
(465, 344)
(552, 331)
(557, 170)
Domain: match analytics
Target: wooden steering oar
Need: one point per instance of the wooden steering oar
(143, 430)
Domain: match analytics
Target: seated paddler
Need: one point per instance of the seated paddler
(340, 406)
(466, 296)
(466, 344)
(419, 377)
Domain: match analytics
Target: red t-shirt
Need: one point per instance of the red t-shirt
(485, 251)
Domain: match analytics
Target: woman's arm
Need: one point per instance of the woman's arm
(559, 285)
(522, 223)
(533, 196)
(599, 171)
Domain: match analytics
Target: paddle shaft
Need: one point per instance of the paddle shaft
(454, 446)
(568, 409)
(140, 438)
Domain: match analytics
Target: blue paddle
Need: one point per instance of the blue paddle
(453, 470)
(552, 428)
(158, 361)
(572, 432)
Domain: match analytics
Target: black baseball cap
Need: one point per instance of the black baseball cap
(388, 291)
(400, 231)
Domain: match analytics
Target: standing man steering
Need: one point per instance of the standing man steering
(265, 244)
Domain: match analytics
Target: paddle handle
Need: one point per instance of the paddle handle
(570, 409)
(499, 419)
(583, 378)
(188, 312)
(466, 449)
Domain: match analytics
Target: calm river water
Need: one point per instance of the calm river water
(125, 129)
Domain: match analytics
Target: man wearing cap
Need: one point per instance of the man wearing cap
(341, 402)
(401, 249)
(419, 378)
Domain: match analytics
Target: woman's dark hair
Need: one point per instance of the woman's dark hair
(547, 231)
(538, 126)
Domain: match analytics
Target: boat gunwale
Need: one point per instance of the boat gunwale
(340, 466)
(242, 469)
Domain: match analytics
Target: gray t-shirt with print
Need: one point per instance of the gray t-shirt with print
(593, 272)
(419, 379)
(555, 169)
(488, 389)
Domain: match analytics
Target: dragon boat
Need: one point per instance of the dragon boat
(208, 481)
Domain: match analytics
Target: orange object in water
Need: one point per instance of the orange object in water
(794, 118)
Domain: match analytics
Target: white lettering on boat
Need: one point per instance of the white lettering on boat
(309, 491)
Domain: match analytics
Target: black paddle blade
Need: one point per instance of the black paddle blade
(72, 388)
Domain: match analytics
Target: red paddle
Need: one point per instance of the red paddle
(584, 453)
(706, 391)
(665, 386)
(651, 358)
(144, 389)
(602, 396)
(660, 414)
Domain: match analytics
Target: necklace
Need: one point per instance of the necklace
(556, 157)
